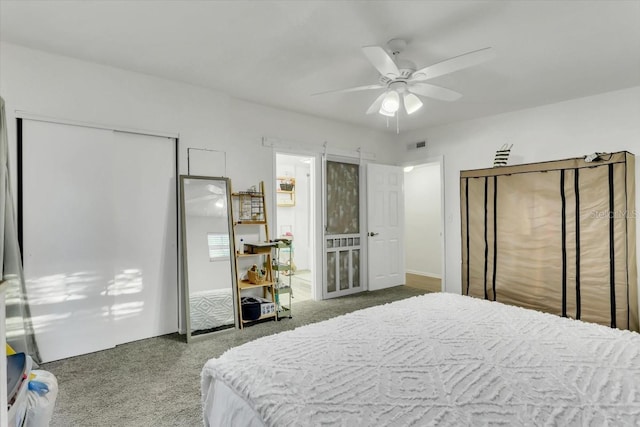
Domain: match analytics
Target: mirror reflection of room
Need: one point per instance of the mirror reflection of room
(208, 255)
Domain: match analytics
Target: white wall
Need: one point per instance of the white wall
(53, 85)
(605, 123)
(422, 220)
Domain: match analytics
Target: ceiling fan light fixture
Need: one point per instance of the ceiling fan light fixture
(386, 112)
(411, 103)
(390, 104)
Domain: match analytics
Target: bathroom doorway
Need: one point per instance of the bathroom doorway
(295, 221)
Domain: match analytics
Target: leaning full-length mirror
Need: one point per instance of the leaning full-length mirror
(207, 254)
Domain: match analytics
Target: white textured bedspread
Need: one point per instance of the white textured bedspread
(437, 359)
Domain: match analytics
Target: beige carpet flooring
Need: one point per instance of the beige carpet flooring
(156, 381)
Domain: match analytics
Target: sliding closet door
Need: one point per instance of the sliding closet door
(67, 237)
(99, 236)
(145, 255)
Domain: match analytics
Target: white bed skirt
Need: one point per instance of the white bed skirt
(225, 408)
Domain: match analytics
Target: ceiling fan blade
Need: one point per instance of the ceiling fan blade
(432, 91)
(351, 89)
(376, 104)
(453, 64)
(381, 60)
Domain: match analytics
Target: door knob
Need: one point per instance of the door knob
(371, 233)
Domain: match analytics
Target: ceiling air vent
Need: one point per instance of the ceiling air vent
(417, 145)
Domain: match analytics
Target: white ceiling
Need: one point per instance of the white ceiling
(278, 53)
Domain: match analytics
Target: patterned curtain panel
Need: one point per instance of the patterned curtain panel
(343, 198)
(20, 334)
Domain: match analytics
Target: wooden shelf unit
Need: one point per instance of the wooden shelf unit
(245, 284)
(263, 317)
(286, 191)
(252, 212)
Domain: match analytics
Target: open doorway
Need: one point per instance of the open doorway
(295, 204)
(424, 226)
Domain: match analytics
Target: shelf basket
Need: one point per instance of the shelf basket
(255, 277)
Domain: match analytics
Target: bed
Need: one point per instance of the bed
(211, 309)
(437, 359)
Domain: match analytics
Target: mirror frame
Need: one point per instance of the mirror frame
(185, 264)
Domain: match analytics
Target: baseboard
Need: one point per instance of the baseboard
(422, 273)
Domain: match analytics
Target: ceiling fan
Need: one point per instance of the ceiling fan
(402, 81)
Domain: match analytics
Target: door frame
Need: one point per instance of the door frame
(443, 222)
(315, 213)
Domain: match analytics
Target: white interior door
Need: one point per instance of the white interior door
(99, 237)
(385, 220)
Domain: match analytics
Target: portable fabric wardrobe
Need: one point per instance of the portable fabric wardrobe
(556, 236)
